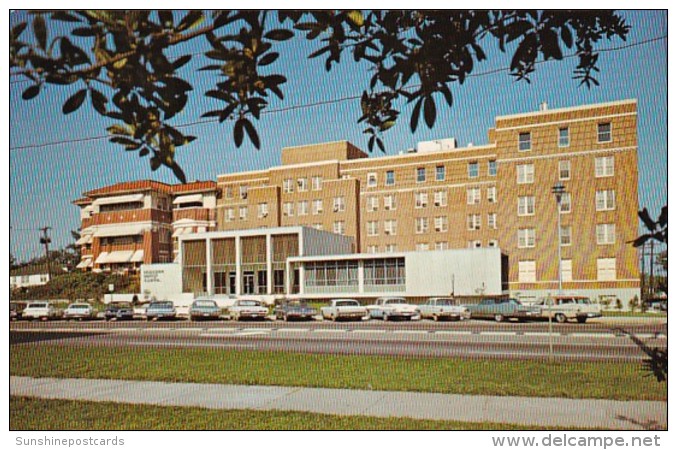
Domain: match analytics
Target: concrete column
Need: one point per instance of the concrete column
(210, 273)
(302, 278)
(269, 264)
(360, 276)
(238, 266)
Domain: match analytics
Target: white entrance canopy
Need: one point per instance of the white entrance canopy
(194, 198)
(122, 230)
(119, 199)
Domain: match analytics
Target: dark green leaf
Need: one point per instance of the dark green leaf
(663, 219)
(144, 151)
(279, 35)
(31, 92)
(379, 142)
(268, 59)
(98, 101)
(40, 31)
(413, 124)
(251, 132)
(155, 163)
(182, 61)
(17, 30)
(238, 132)
(648, 221)
(224, 18)
(192, 19)
(64, 17)
(430, 111)
(566, 36)
(178, 172)
(166, 18)
(371, 142)
(84, 32)
(74, 102)
(641, 240)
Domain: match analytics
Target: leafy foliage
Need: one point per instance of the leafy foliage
(658, 230)
(78, 285)
(412, 55)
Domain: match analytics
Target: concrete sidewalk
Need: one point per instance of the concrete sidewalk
(527, 411)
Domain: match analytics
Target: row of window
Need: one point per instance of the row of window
(605, 234)
(604, 167)
(440, 174)
(603, 136)
(302, 184)
(606, 270)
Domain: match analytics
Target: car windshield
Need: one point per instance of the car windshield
(583, 301)
(204, 303)
(347, 303)
(37, 305)
(162, 305)
(120, 305)
(445, 302)
(248, 303)
(79, 306)
(395, 301)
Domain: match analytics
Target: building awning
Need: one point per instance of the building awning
(137, 256)
(102, 258)
(86, 262)
(119, 199)
(194, 198)
(122, 230)
(179, 232)
(121, 256)
(84, 239)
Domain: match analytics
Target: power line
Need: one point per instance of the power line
(326, 102)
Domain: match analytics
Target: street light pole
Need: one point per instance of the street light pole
(558, 190)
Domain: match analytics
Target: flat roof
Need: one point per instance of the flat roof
(567, 109)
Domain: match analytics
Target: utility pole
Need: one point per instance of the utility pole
(651, 264)
(45, 240)
(642, 280)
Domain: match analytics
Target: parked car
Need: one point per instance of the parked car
(501, 309)
(204, 309)
(388, 308)
(344, 308)
(294, 309)
(562, 308)
(119, 311)
(443, 308)
(16, 310)
(79, 311)
(248, 309)
(161, 310)
(41, 311)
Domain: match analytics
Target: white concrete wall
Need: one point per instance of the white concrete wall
(465, 272)
(162, 281)
(318, 242)
(18, 281)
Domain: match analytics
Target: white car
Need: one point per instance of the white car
(40, 310)
(388, 308)
(79, 311)
(248, 309)
(344, 308)
(441, 308)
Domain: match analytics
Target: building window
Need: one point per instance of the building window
(491, 221)
(384, 272)
(473, 170)
(566, 270)
(525, 174)
(421, 225)
(527, 271)
(372, 228)
(302, 184)
(230, 214)
(243, 213)
(263, 210)
(372, 180)
(339, 204)
(491, 194)
(317, 206)
(474, 244)
(473, 195)
(288, 186)
(605, 200)
(391, 248)
(526, 238)
(390, 227)
(563, 137)
(372, 249)
(606, 269)
(526, 206)
(317, 226)
(493, 243)
(422, 247)
(565, 203)
(524, 141)
(440, 198)
(372, 203)
(288, 209)
(229, 192)
(492, 168)
(303, 208)
(441, 224)
(389, 202)
(604, 132)
(565, 234)
(317, 183)
(390, 178)
(474, 221)
(565, 170)
(441, 245)
(420, 175)
(421, 199)
(440, 173)
(606, 233)
(604, 166)
(339, 227)
(244, 189)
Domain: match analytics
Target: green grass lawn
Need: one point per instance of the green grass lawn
(654, 315)
(40, 414)
(620, 381)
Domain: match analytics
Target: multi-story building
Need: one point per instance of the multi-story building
(133, 223)
(440, 196)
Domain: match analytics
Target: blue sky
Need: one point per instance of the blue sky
(44, 180)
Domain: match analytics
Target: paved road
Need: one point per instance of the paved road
(473, 339)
